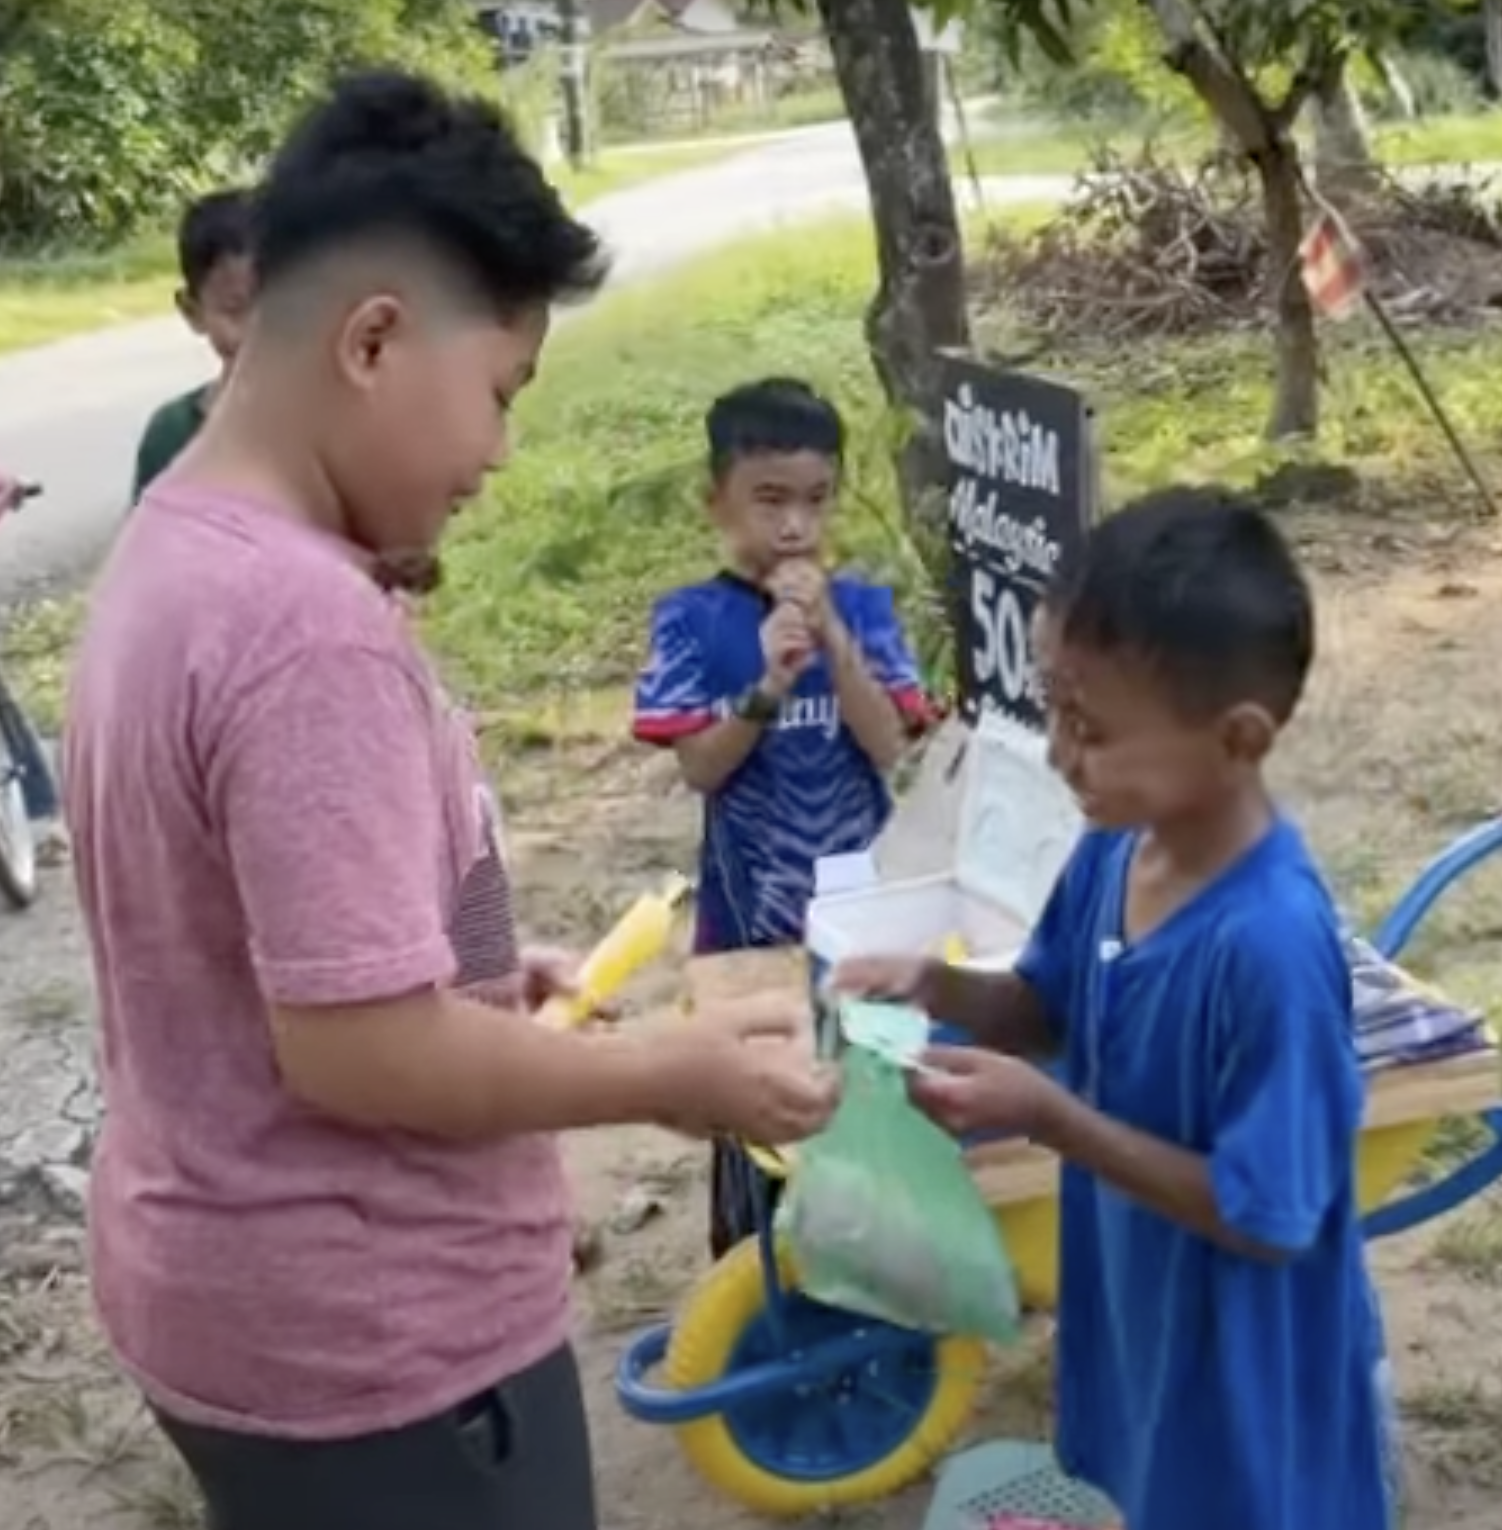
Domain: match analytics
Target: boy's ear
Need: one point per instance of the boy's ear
(187, 306)
(1249, 732)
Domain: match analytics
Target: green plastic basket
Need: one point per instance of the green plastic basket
(980, 1488)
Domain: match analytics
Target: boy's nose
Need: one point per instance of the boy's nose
(793, 528)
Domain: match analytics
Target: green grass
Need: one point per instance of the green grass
(47, 298)
(619, 168)
(799, 108)
(50, 297)
(1041, 148)
(1462, 139)
(36, 648)
(550, 579)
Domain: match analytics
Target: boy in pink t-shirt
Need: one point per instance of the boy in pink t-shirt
(330, 1234)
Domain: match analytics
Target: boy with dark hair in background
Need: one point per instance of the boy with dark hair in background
(786, 693)
(1220, 1352)
(213, 251)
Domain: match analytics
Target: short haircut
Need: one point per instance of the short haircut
(390, 157)
(776, 416)
(215, 228)
(1203, 589)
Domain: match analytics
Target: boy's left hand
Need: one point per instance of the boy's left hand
(550, 972)
(967, 1089)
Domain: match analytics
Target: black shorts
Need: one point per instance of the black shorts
(514, 1458)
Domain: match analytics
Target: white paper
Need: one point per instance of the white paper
(921, 838)
(1019, 822)
(835, 874)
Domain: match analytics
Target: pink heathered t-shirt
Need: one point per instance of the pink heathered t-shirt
(272, 801)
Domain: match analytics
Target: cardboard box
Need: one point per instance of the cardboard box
(1012, 825)
(729, 976)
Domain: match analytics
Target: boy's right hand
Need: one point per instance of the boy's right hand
(747, 1071)
(901, 979)
(787, 646)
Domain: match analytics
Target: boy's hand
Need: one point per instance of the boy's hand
(967, 1089)
(548, 973)
(802, 582)
(746, 1070)
(787, 647)
(901, 979)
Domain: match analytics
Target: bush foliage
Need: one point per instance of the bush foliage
(112, 111)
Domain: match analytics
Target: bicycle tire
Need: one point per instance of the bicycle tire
(19, 870)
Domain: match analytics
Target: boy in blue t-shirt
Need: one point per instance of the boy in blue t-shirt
(1220, 1353)
(786, 693)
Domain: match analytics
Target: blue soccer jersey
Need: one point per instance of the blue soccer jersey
(1198, 1387)
(807, 789)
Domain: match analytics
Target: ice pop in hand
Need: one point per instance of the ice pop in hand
(640, 936)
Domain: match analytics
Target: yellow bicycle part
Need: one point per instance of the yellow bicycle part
(711, 1327)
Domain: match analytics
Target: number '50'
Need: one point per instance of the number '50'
(1001, 651)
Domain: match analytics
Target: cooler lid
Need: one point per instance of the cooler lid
(1018, 821)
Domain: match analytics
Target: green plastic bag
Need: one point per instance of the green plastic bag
(882, 1217)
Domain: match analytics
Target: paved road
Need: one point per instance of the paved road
(70, 413)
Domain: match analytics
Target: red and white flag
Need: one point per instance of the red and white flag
(1333, 266)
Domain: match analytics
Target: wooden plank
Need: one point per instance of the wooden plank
(1012, 1172)
(1015, 1171)
(1455, 1086)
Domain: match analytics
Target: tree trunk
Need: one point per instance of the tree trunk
(1263, 133)
(573, 85)
(1296, 397)
(1491, 20)
(919, 307)
(1344, 166)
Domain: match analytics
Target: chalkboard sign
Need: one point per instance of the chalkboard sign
(1021, 494)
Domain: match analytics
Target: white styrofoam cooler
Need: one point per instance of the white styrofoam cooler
(987, 829)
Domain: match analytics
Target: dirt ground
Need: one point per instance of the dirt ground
(1396, 752)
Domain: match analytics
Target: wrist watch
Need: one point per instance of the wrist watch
(754, 705)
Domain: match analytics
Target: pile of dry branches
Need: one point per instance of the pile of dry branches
(1149, 249)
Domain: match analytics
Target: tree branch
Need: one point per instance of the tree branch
(1217, 80)
(1321, 66)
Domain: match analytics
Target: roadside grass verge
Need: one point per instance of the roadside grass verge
(49, 297)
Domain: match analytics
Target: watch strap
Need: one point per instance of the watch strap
(754, 705)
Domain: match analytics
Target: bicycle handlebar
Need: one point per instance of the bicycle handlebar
(26, 489)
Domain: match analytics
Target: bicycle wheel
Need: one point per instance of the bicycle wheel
(18, 844)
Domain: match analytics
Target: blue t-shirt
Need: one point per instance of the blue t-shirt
(1198, 1388)
(807, 789)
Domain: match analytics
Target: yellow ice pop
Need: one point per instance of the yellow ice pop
(640, 936)
(955, 950)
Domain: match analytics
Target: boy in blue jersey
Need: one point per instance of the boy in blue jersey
(1220, 1358)
(786, 693)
